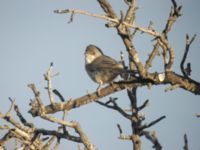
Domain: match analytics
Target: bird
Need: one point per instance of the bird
(101, 69)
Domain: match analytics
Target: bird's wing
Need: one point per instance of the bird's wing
(105, 62)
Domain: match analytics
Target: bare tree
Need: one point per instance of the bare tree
(29, 136)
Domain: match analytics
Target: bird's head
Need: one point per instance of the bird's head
(91, 53)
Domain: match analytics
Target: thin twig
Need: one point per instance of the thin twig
(105, 17)
(152, 137)
(173, 15)
(152, 123)
(152, 56)
(19, 114)
(143, 105)
(119, 128)
(185, 147)
(56, 92)
(48, 76)
(115, 107)
(187, 47)
(71, 18)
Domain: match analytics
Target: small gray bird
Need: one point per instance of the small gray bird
(101, 69)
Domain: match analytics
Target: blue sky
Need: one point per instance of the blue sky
(32, 36)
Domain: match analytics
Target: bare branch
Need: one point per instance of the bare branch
(19, 114)
(167, 50)
(51, 140)
(88, 98)
(125, 137)
(82, 12)
(58, 135)
(71, 18)
(84, 138)
(172, 87)
(48, 76)
(8, 114)
(105, 17)
(187, 47)
(152, 56)
(143, 105)
(105, 5)
(119, 128)
(152, 123)
(130, 15)
(131, 50)
(5, 138)
(174, 14)
(56, 145)
(174, 3)
(185, 147)
(56, 92)
(152, 137)
(74, 125)
(38, 99)
(115, 107)
(31, 137)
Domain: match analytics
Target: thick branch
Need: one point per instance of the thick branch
(189, 85)
(155, 79)
(71, 104)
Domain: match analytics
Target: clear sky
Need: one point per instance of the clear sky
(31, 36)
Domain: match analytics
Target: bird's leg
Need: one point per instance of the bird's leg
(98, 89)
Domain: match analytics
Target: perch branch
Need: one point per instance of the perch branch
(88, 98)
(155, 79)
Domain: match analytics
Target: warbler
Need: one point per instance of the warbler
(101, 69)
